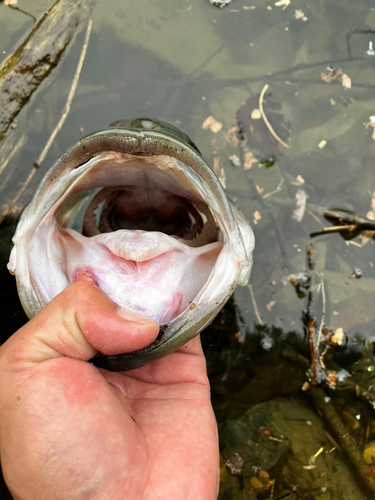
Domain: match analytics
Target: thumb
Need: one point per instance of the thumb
(78, 323)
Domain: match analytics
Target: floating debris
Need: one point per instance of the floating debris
(299, 211)
(282, 3)
(232, 134)
(322, 144)
(220, 3)
(299, 14)
(338, 337)
(270, 305)
(357, 273)
(249, 160)
(371, 123)
(334, 74)
(239, 337)
(235, 161)
(211, 124)
(331, 378)
(10, 2)
(346, 81)
(370, 51)
(235, 464)
(299, 181)
(255, 114)
(257, 216)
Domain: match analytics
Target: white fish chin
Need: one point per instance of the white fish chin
(146, 271)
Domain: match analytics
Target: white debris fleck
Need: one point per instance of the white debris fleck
(299, 211)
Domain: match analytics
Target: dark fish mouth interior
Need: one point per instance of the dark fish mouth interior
(134, 208)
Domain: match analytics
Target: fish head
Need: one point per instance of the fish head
(135, 206)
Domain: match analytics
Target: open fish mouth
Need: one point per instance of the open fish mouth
(137, 208)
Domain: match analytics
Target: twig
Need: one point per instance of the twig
(313, 216)
(254, 304)
(344, 438)
(70, 96)
(272, 489)
(263, 115)
(277, 190)
(309, 316)
(58, 126)
(323, 314)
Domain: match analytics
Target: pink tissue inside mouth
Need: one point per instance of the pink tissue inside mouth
(150, 273)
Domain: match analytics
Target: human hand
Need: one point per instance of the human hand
(71, 431)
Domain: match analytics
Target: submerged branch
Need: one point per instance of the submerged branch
(344, 438)
(24, 70)
(57, 128)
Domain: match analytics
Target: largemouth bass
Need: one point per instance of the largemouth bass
(137, 208)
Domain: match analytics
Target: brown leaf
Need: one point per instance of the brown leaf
(239, 337)
(325, 77)
(270, 304)
(232, 134)
(249, 160)
(337, 337)
(257, 217)
(331, 378)
(212, 124)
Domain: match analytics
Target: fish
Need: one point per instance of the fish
(136, 207)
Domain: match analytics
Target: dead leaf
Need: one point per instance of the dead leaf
(235, 161)
(270, 305)
(232, 134)
(373, 134)
(257, 217)
(239, 337)
(283, 3)
(299, 211)
(10, 2)
(299, 181)
(255, 114)
(249, 160)
(247, 7)
(337, 337)
(331, 378)
(212, 124)
(346, 81)
(299, 14)
(259, 189)
(325, 77)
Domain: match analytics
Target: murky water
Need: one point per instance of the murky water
(188, 60)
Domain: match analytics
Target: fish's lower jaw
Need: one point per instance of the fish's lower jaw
(145, 272)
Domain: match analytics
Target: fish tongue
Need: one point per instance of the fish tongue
(136, 245)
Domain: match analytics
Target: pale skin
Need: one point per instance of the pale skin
(71, 431)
